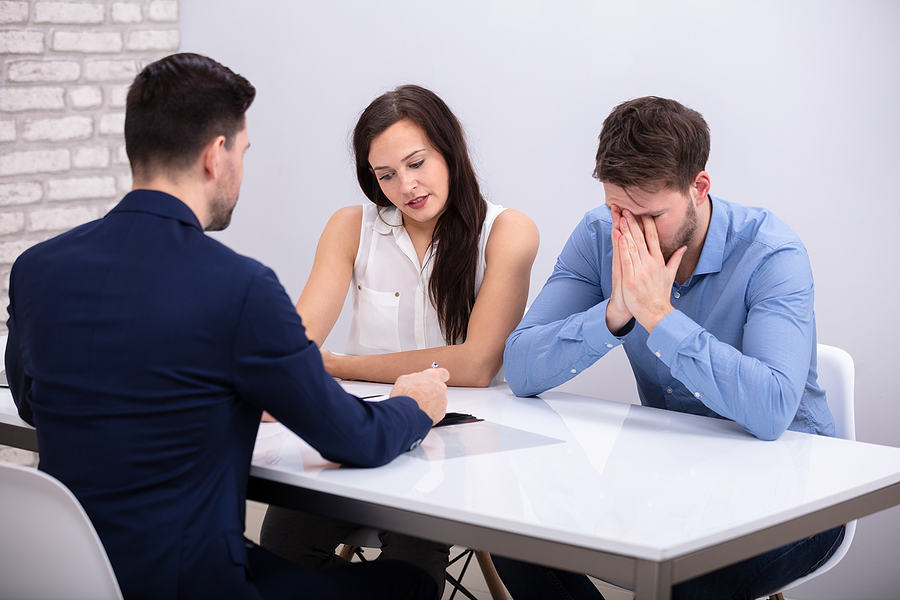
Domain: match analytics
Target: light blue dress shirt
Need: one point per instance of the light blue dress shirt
(740, 344)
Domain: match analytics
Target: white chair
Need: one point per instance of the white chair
(836, 374)
(49, 549)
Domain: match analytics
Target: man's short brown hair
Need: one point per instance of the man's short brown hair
(177, 105)
(650, 140)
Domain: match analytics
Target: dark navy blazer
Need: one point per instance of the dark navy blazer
(144, 352)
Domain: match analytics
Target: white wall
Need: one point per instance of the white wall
(801, 98)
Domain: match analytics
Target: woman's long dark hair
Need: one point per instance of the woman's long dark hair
(452, 285)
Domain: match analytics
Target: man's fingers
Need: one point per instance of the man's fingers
(616, 214)
(675, 262)
(652, 236)
(636, 228)
(625, 258)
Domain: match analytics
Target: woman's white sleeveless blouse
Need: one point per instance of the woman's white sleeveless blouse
(391, 308)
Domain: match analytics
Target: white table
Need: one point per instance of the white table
(633, 495)
(13, 430)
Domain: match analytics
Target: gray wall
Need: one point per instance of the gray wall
(801, 98)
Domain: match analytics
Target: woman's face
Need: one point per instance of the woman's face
(411, 172)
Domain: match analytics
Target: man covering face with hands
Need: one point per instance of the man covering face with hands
(712, 301)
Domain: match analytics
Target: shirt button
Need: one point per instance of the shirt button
(609, 345)
(669, 390)
(574, 370)
(657, 354)
(677, 294)
(696, 394)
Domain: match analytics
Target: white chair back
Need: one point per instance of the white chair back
(836, 377)
(49, 549)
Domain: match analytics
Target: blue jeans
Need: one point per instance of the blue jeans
(747, 580)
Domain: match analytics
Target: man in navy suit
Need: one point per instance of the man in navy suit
(144, 352)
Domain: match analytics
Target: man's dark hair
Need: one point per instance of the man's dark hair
(650, 140)
(176, 105)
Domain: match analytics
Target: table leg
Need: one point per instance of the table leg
(652, 580)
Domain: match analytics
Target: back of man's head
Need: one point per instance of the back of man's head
(177, 105)
(651, 140)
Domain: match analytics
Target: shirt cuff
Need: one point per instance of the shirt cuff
(669, 334)
(597, 334)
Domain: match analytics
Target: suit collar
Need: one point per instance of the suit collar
(160, 204)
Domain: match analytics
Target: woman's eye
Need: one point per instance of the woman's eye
(417, 164)
(386, 177)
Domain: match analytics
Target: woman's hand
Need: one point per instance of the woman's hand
(331, 362)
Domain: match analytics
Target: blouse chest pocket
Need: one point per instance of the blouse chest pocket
(379, 319)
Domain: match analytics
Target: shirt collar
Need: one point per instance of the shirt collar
(389, 220)
(713, 253)
(158, 203)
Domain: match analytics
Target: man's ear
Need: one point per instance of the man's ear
(212, 157)
(701, 187)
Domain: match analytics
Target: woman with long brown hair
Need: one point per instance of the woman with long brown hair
(438, 274)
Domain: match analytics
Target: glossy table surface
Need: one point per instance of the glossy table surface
(631, 494)
(582, 483)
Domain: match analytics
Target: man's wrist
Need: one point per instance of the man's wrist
(616, 322)
(625, 329)
(652, 319)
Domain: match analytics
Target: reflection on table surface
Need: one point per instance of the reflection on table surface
(595, 473)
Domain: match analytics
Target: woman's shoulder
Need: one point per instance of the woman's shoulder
(514, 229)
(512, 219)
(342, 230)
(346, 218)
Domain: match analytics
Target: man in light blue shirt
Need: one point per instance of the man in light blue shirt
(712, 301)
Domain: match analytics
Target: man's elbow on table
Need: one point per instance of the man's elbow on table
(516, 372)
(771, 428)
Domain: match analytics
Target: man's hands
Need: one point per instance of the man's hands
(617, 313)
(641, 278)
(428, 388)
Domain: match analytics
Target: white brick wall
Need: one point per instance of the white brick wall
(57, 130)
(16, 99)
(7, 131)
(68, 12)
(85, 96)
(25, 71)
(126, 12)
(21, 42)
(65, 68)
(13, 12)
